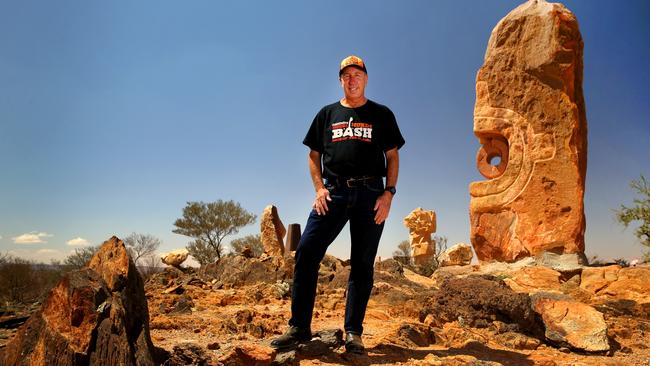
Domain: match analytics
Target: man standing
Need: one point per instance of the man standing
(353, 144)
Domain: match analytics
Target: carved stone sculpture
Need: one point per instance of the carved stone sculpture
(421, 224)
(530, 119)
(272, 232)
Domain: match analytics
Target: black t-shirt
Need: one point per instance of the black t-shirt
(352, 141)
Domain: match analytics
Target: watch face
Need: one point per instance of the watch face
(392, 190)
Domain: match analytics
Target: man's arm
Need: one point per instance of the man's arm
(382, 206)
(322, 194)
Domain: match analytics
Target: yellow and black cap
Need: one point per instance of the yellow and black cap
(352, 61)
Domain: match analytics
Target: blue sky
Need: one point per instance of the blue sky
(114, 114)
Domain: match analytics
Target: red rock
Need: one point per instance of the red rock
(594, 279)
(621, 283)
(249, 354)
(96, 315)
(530, 113)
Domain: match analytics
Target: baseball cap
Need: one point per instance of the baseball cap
(352, 61)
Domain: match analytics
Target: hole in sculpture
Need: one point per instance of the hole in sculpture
(494, 160)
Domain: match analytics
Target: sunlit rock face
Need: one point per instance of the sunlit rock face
(530, 120)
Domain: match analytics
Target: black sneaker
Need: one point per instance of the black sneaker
(291, 338)
(353, 344)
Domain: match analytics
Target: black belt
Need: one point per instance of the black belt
(352, 182)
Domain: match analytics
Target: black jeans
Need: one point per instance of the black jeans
(357, 206)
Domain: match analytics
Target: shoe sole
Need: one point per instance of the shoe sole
(289, 347)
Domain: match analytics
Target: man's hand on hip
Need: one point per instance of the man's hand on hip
(382, 207)
(320, 203)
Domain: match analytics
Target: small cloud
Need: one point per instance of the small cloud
(39, 256)
(31, 238)
(78, 242)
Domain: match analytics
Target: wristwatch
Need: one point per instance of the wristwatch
(391, 189)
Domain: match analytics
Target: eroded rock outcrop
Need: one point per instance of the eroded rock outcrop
(530, 120)
(272, 232)
(97, 315)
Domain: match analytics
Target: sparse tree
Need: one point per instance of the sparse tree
(209, 223)
(203, 253)
(18, 280)
(80, 257)
(403, 252)
(640, 211)
(251, 241)
(141, 245)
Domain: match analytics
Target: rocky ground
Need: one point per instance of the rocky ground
(525, 314)
(230, 313)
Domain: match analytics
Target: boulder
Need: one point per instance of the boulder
(478, 301)
(619, 283)
(175, 258)
(594, 279)
(97, 315)
(458, 255)
(534, 279)
(272, 232)
(572, 323)
(530, 120)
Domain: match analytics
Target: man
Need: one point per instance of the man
(353, 144)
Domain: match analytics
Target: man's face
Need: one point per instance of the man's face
(353, 82)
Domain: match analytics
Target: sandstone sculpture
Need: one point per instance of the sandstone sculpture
(458, 255)
(272, 232)
(421, 224)
(175, 258)
(94, 316)
(530, 119)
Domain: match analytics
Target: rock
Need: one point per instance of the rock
(530, 115)
(272, 232)
(419, 279)
(96, 315)
(632, 284)
(188, 354)
(458, 255)
(175, 258)
(182, 305)
(517, 341)
(479, 301)
(237, 271)
(534, 279)
(594, 279)
(285, 358)
(249, 354)
(414, 335)
(421, 224)
(568, 263)
(333, 338)
(572, 323)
